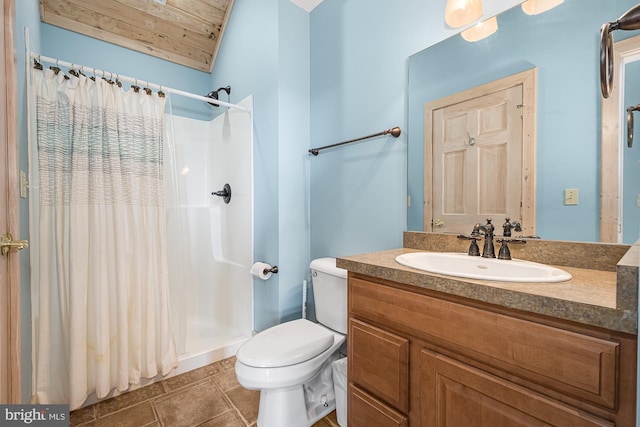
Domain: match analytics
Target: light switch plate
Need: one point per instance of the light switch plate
(24, 184)
(571, 196)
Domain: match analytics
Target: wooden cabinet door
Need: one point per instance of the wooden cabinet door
(455, 394)
(366, 411)
(379, 363)
(568, 364)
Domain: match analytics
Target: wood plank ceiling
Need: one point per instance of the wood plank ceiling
(187, 32)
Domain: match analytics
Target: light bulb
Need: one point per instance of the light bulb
(480, 30)
(459, 13)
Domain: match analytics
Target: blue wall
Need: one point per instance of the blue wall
(265, 52)
(359, 66)
(27, 15)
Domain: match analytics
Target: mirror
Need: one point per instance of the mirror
(562, 44)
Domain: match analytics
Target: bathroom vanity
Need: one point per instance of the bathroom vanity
(433, 350)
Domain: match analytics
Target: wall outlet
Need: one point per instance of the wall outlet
(571, 196)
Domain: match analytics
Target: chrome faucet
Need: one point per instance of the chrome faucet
(488, 251)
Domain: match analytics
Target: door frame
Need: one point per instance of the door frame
(528, 80)
(612, 144)
(10, 353)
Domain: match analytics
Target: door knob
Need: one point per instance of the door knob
(7, 244)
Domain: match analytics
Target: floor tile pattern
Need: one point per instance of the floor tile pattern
(205, 397)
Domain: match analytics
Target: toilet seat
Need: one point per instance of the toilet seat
(286, 344)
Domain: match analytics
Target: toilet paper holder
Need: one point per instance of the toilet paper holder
(273, 270)
(262, 270)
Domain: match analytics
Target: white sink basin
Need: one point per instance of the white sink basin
(475, 267)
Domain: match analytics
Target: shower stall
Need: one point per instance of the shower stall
(140, 265)
(210, 241)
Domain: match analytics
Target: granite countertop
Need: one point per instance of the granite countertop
(603, 291)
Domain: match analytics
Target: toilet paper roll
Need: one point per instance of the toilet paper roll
(258, 270)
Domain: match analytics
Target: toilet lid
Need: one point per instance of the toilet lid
(285, 344)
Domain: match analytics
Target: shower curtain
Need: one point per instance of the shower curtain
(100, 301)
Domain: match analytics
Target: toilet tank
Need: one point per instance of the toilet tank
(330, 293)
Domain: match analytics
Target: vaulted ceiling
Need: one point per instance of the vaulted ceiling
(186, 32)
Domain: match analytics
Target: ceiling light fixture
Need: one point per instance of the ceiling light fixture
(459, 13)
(481, 30)
(536, 7)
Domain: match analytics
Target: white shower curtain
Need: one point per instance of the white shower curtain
(98, 259)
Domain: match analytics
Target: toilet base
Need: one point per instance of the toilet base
(300, 405)
(286, 407)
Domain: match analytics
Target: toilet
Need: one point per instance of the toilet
(290, 363)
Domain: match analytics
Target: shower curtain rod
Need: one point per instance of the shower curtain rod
(102, 73)
(395, 132)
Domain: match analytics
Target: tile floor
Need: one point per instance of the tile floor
(205, 397)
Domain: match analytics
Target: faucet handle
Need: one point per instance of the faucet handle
(504, 252)
(508, 226)
(474, 250)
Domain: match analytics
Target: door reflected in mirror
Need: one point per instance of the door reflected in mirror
(479, 156)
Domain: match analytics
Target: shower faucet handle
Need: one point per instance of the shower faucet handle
(225, 193)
